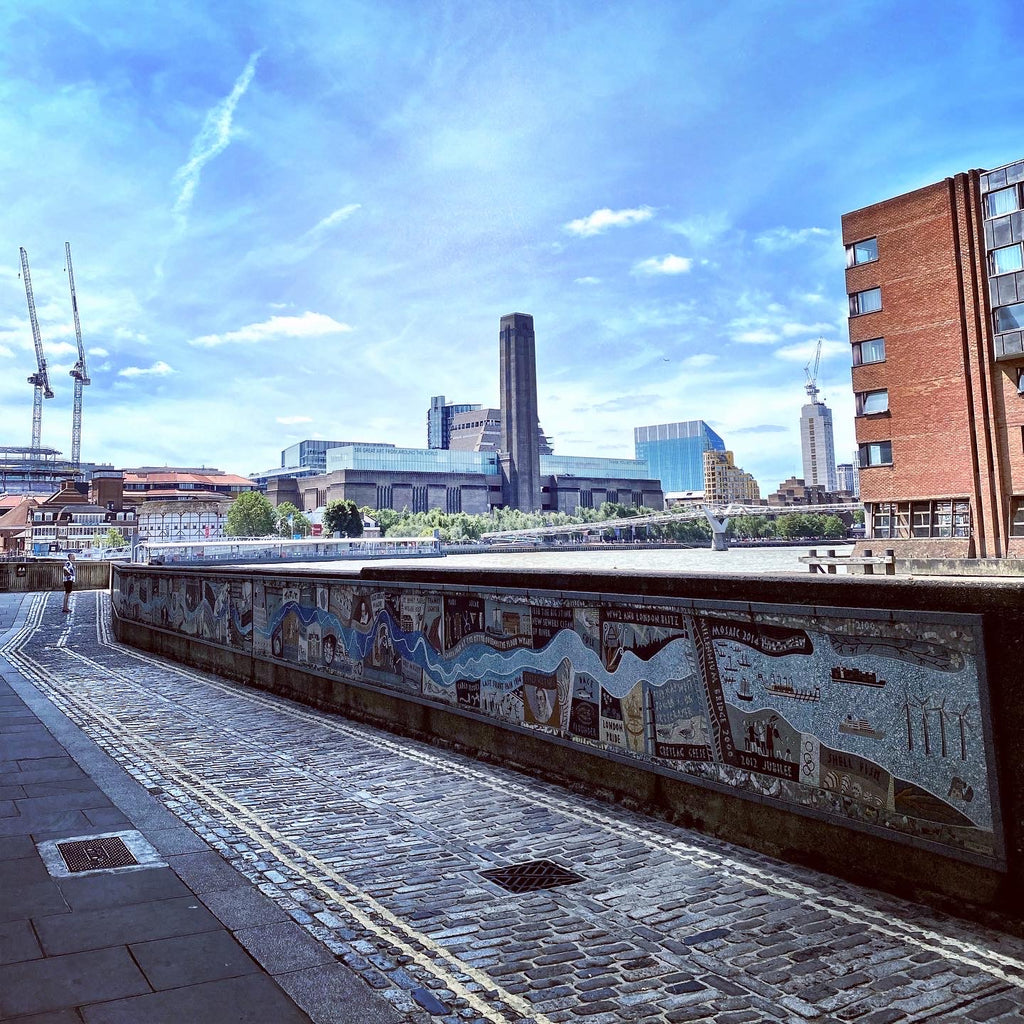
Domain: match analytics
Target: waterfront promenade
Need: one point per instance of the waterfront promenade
(314, 868)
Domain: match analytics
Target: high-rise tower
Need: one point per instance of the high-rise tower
(818, 445)
(520, 452)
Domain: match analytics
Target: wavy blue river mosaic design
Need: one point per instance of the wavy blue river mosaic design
(865, 718)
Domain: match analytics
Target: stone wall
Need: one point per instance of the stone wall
(863, 726)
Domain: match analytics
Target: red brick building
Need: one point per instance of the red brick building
(936, 285)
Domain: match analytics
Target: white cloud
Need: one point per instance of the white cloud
(6, 352)
(587, 280)
(701, 229)
(158, 369)
(755, 337)
(700, 359)
(804, 351)
(343, 213)
(789, 238)
(669, 264)
(290, 420)
(309, 325)
(59, 348)
(213, 139)
(601, 220)
(789, 330)
(100, 352)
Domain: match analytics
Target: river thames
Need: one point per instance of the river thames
(752, 560)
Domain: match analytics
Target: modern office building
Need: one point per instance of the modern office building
(936, 288)
(847, 477)
(817, 445)
(724, 481)
(675, 452)
(439, 420)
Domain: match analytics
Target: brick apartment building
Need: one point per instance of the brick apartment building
(936, 286)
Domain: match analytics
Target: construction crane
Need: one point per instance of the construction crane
(811, 387)
(80, 373)
(39, 380)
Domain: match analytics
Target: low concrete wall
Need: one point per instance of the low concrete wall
(39, 574)
(863, 726)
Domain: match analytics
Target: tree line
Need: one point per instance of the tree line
(252, 515)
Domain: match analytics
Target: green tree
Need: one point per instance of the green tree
(343, 517)
(834, 528)
(251, 515)
(290, 520)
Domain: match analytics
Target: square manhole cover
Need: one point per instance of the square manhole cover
(96, 854)
(531, 876)
(106, 851)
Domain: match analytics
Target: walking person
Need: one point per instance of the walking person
(69, 580)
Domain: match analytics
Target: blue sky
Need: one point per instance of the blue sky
(305, 219)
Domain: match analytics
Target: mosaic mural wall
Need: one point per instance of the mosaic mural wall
(867, 718)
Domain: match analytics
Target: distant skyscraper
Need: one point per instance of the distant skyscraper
(675, 452)
(847, 476)
(520, 458)
(817, 445)
(439, 421)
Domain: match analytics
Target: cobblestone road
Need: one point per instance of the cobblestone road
(376, 845)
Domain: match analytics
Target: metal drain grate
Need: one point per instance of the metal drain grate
(93, 854)
(531, 876)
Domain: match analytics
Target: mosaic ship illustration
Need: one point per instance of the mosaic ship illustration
(860, 727)
(743, 693)
(784, 688)
(854, 676)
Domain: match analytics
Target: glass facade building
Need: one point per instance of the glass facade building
(674, 452)
(583, 466)
(439, 420)
(411, 460)
(313, 454)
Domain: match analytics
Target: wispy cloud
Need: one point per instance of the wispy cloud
(701, 229)
(758, 336)
(790, 330)
(587, 280)
(158, 369)
(788, 238)
(309, 325)
(342, 213)
(700, 359)
(99, 352)
(6, 352)
(291, 420)
(669, 264)
(213, 139)
(762, 428)
(803, 352)
(602, 220)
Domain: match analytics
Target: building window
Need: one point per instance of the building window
(1010, 318)
(1006, 200)
(901, 520)
(921, 516)
(875, 453)
(872, 351)
(862, 252)
(1017, 523)
(869, 301)
(871, 402)
(1006, 259)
